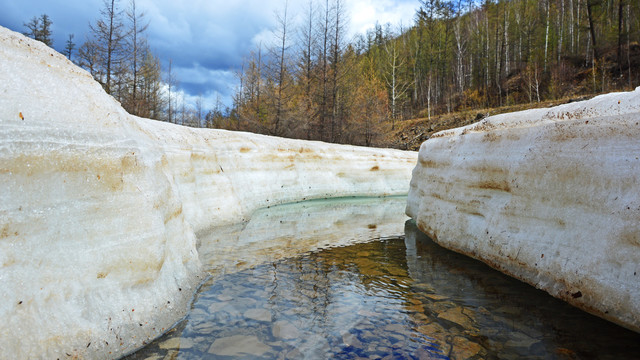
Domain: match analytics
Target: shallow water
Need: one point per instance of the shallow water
(399, 297)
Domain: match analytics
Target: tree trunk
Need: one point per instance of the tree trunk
(629, 45)
(110, 44)
(169, 83)
(281, 72)
(308, 68)
(258, 78)
(619, 52)
(592, 30)
(325, 79)
(546, 36)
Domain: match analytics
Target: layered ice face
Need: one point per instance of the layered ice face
(549, 196)
(99, 209)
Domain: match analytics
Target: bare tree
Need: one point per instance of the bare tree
(258, 79)
(136, 45)
(592, 30)
(281, 67)
(152, 99)
(546, 32)
(248, 104)
(306, 64)
(89, 58)
(33, 28)
(336, 66)
(324, 65)
(39, 28)
(395, 62)
(171, 82)
(461, 37)
(619, 49)
(198, 110)
(109, 35)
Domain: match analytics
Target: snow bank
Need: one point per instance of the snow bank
(284, 231)
(549, 196)
(98, 209)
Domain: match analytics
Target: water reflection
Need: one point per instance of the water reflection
(288, 230)
(507, 318)
(396, 298)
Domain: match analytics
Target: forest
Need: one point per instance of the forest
(117, 55)
(313, 82)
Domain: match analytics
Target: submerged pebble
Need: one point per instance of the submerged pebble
(399, 298)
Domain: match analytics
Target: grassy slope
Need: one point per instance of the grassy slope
(410, 134)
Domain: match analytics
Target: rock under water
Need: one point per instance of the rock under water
(99, 209)
(549, 196)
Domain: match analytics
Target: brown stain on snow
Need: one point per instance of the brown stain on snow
(630, 237)
(429, 163)
(564, 132)
(490, 137)
(100, 170)
(140, 271)
(174, 214)
(6, 232)
(492, 185)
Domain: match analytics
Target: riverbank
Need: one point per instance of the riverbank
(549, 196)
(100, 208)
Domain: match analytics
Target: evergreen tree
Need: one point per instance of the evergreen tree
(39, 28)
(69, 46)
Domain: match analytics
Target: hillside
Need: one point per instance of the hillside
(410, 134)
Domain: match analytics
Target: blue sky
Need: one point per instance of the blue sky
(206, 40)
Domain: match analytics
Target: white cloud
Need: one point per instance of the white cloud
(365, 14)
(264, 38)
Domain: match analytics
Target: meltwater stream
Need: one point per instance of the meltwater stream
(353, 279)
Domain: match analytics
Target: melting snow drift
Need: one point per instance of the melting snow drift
(549, 196)
(98, 208)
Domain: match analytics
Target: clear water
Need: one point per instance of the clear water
(391, 297)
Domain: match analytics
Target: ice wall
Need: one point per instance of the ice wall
(98, 209)
(284, 231)
(549, 196)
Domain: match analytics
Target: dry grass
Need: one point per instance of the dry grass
(409, 134)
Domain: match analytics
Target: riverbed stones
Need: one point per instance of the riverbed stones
(458, 316)
(217, 306)
(285, 330)
(177, 343)
(315, 346)
(549, 196)
(521, 340)
(349, 339)
(529, 323)
(238, 345)
(224, 297)
(171, 355)
(397, 328)
(464, 348)
(258, 315)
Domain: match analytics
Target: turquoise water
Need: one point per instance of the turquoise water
(390, 297)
